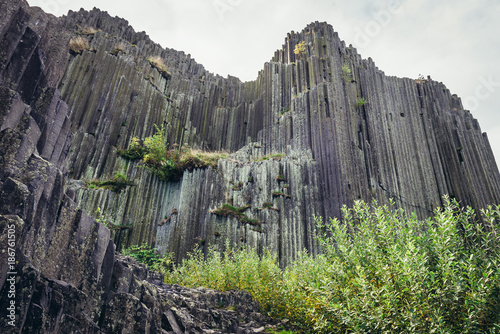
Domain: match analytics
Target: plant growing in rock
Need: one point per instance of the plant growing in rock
(361, 102)
(149, 256)
(227, 210)
(281, 177)
(346, 72)
(284, 111)
(116, 184)
(88, 31)
(118, 48)
(100, 217)
(275, 156)
(278, 193)
(136, 150)
(168, 164)
(300, 48)
(78, 44)
(157, 63)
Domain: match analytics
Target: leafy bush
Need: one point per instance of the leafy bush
(386, 272)
(149, 256)
(381, 271)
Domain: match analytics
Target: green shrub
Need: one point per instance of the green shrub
(231, 268)
(393, 273)
(136, 151)
(149, 256)
(361, 102)
(346, 72)
(381, 271)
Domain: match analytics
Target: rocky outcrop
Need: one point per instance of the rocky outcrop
(59, 272)
(315, 130)
(346, 130)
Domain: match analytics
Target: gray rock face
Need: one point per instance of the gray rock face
(344, 131)
(348, 132)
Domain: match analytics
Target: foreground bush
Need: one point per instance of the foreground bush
(381, 271)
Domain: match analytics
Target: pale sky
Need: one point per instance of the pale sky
(455, 42)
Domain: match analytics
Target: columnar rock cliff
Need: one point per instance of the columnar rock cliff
(411, 140)
(314, 131)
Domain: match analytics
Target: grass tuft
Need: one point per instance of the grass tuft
(78, 44)
(115, 184)
(158, 63)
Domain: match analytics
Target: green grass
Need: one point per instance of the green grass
(274, 156)
(116, 184)
(381, 271)
(227, 210)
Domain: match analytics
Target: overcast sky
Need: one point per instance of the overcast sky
(456, 42)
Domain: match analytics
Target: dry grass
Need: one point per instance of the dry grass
(158, 63)
(88, 31)
(207, 158)
(78, 44)
(118, 48)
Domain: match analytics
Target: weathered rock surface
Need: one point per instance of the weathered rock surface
(412, 140)
(63, 116)
(59, 272)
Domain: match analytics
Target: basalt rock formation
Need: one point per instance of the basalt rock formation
(315, 130)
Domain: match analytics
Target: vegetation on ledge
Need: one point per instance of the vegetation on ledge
(227, 210)
(275, 156)
(115, 184)
(159, 65)
(78, 44)
(381, 271)
(168, 164)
